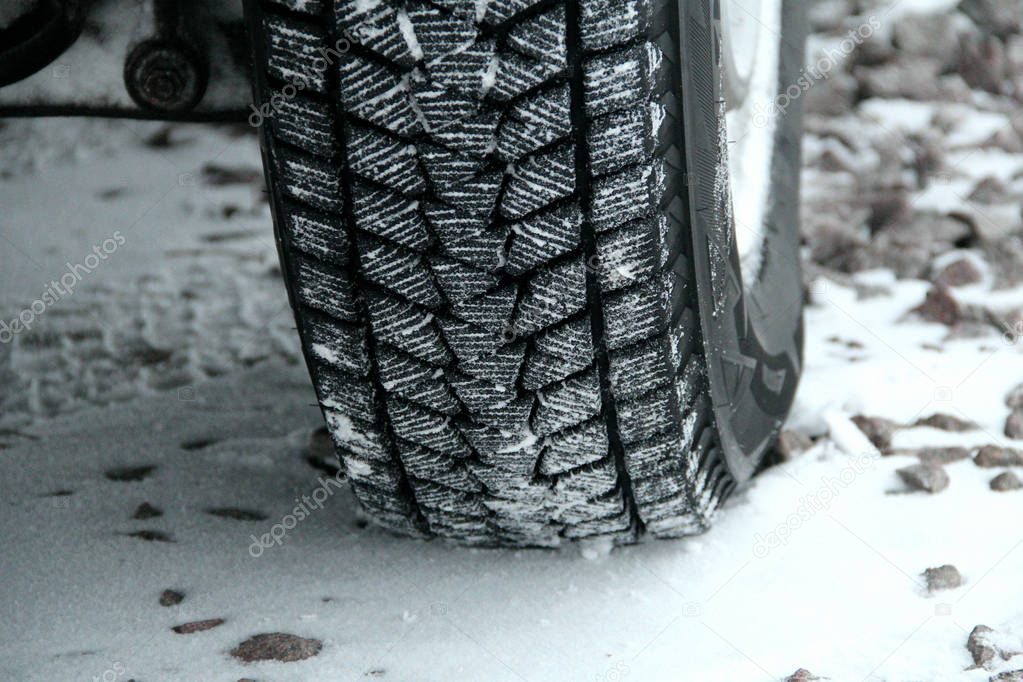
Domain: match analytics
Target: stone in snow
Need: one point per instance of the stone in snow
(276, 646)
(942, 455)
(946, 577)
(877, 429)
(939, 306)
(791, 443)
(1014, 398)
(946, 422)
(1009, 676)
(801, 675)
(197, 626)
(1014, 424)
(958, 273)
(1005, 482)
(993, 456)
(987, 644)
(927, 477)
(146, 511)
(171, 598)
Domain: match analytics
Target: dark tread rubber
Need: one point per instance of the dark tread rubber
(480, 213)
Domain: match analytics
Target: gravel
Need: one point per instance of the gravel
(927, 477)
(1005, 482)
(276, 646)
(994, 456)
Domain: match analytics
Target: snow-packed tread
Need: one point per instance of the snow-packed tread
(480, 209)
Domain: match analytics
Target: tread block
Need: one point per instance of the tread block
(491, 310)
(440, 107)
(543, 237)
(517, 74)
(373, 93)
(383, 159)
(638, 369)
(429, 429)
(468, 341)
(476, 196)
(376, 26)
(316, 233)
(628, 255)
(567, 404)
(500, 11)
(415, 381)
(401, 270)
(389, 215)
(542, 37)
(428, 465)
(485, 251)
(539, 181)
(348, 394)
(626, 195)
(552, 295)
(568, 341)
(573, 448)
(459, 281)
(406, 327)
(447, 168)
(467, 70)
(606, 23)
(293, 49)
(310, 180)
(340, 345)
(620, 139)
(535, 122)
(501, 367)
(642, 418)
(364, 439)
(304, 122)
(634, 314)
(543, 369)
(615, 81)
(474, 136)
(327, 289)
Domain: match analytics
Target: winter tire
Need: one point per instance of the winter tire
(507, 232)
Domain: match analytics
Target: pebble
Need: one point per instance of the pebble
(878, 430)
(946, 422)
(945, 455)
(131, 474)
(801, 675)
(276, 646)
(171, 598)
(1014, 424)
(1005, 482)
(993, 456)
(146, 511)
(930, 478)
(939, 306)
(946, 577)
(197, 626)
(987, 644)
(958, 273)
(791, 443)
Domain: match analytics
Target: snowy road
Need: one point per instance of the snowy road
(156, 421)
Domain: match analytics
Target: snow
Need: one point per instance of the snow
(178, 352)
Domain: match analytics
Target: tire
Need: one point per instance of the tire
(510, 266)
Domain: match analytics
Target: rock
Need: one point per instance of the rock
(930, 478)
(197, 626)
(994, 456)
(912, 78)
(1006, 482)
(942, 455)
(989, 224)
(946, 577)
(146, 511)
(801, 675)
(931, 34)
(959, 272)
(320, 444)
(1008, 676)
(1014, 398)
(878, 430)
(986, 645)
(1014, 424)
(791, 443)
(276, 646)
(994, 16)
(939, 306)
(989, 191)
(980, 647)
(946, 422)
(129, 473)
(171, 598)
(982, 62)
(238, 514)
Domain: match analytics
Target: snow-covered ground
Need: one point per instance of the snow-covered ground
(169, 377)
